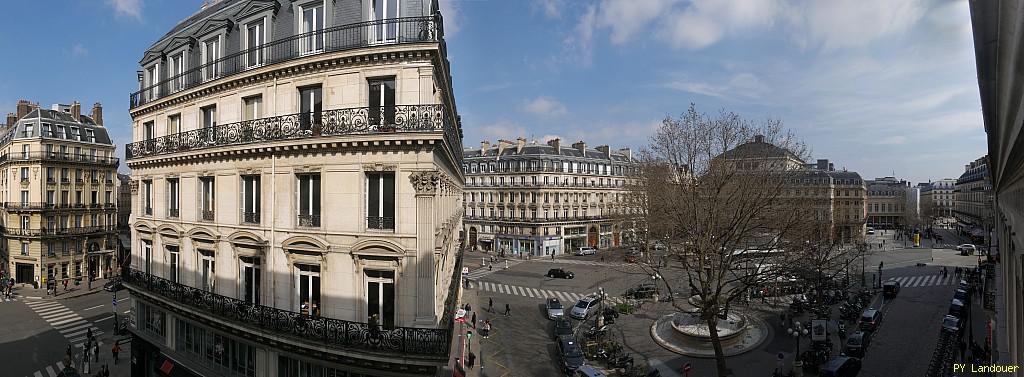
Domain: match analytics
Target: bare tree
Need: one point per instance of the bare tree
(734, 203)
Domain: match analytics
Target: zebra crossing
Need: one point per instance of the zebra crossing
(72, 326)
(515, 290)
(584, 262)
(8, 299)
(925, 280)
(50, 370)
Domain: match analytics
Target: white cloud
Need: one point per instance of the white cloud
(451, 13)
(627, 17)
(551, 8)
(544, 106)
(741, 86)
(580, 42)
(502, 129)
(892, 140)
(127, 8)
(79, 50)
(850, 23)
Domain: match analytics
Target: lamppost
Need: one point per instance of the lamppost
(797, 332)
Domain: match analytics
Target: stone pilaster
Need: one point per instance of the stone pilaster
(426, 185)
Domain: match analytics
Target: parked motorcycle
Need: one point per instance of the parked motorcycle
(622, 361)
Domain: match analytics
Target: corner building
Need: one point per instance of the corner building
(296, 188)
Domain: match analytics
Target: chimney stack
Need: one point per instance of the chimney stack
(11, 119)
(581, 146)
(502, 144)
(24, 107)
(76, 111)
(607, 151)
(97, 113)
(627, 152)
(520, 143)
(556, 143)
(758, 138)
(484, 146)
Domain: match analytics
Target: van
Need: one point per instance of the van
(586, 250)
(890, 288)
(588, 371)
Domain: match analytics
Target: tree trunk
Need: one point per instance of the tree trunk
(712, 320)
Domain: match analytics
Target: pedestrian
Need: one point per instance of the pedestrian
(88, 334)
(507, 310)
(65, 285)
(490, 304)
(490, 267)
(114, 351)
(96, 351)
(474, 320)
(70, 352)
(470, 360)
(552, 255)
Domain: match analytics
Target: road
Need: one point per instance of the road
(36, 345)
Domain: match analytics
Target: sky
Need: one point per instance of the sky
(879, 87)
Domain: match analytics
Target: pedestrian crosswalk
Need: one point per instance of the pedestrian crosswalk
(8, 299)
(50, 370)
(925, 280)
(72, 326)
(515, 290)
(583, 262)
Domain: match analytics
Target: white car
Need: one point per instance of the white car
(583, 306)
(966, 249)
(586, 250)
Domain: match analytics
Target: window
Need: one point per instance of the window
(253, 41)
(382, 102)
(310, 99)
(252, 107)
(211, 53)
(206, 269)
(147, 252)
(152, 319)
(177, 63)
(24, 173)
(90, 135)
(309, 199)
(147, 197)
(24, 249)
(209, 117)
(25, 151)
(75, 135)
(251, 199)
(380, 200)
(380, 11)
(50, 197)
(206, 200)
(147, 131)
(250, 279)
(172, 197)
(312, 25)
(24, 197)
(380, 298)
(46, 130)
(307, 287)
(172, 263)
(173, 124)
(152, 77)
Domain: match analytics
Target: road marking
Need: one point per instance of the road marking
(49, 370)
(60, 365)
(94, 307)
(71, 327)
(63, 321)
(37, 374)
(105, 318)
(59, 316)
(123, 299)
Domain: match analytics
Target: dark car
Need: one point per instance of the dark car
(571, 355)
(113, 285)
(891, 288)
(563, 329)
(962, 295)
(559, 273)
(642, 291)
(857, 344)
(870, 319)
(840, 366)
(951, 323)
(956, 307)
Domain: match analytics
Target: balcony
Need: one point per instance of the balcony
(208, 215)
(251, 217)
(297, 327)
(61, 157)
(310, 221)
(149, 211)
(337, 122)
(380, 223)
(339, 38)
(84, 230)
(172, 213)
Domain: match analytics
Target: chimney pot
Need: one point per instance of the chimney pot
(97, 113)
(556, 143)
(581, 146)
(11, 119)
(76, 111)
(484, 146)
(758, 138)
(24, 107)
(606, 150)
(520, 143)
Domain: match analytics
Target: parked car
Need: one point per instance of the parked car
(583, 306)
(857, 344)
(562, 329)
(658, 245)
(962, 295)
(560, 273)
(967, 249)
(951, 323)
(113, 285)
(890, 288)
(870, 319)
(871, 230)
(571, 355)
(840, 366)
(588, 371)
(642, 291)
(554, 309)
(586, 250)
(957, 308)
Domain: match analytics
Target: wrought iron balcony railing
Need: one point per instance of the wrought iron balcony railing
(382, 223)
(61, 157)
(311, 221)
(251, 217)
(208, 215)
(350, 121)
(298, 327)
(56, 231)
(339, 38)
(172, 212)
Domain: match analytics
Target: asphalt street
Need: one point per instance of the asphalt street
(39, 330)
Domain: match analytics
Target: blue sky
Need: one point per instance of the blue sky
(877, 86)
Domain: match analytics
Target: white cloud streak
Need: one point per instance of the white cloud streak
(545, 107)
(127, 8)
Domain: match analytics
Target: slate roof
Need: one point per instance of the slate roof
(544, 150)
(38, 116)
(758, 149)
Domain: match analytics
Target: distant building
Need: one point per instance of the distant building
(973, 209)
(124, 202)
(938, 199)
(888, 200)
(544, 199)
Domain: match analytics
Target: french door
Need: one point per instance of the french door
(312, 29)
(385, 13)
(380, 298)
(250, 279)
(207, 269)
(308, 288)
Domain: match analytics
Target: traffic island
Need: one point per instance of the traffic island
(686, 334)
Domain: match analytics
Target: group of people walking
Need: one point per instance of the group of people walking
(91, 349)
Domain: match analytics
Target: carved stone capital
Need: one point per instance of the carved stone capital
(425, 182)
(134, 185)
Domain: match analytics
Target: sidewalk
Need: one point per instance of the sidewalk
(27, 291)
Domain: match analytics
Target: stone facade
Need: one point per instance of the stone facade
(973, 206)
(939, 198)
(888, 201)
(545, 199)
(324, 187)
(59, 195)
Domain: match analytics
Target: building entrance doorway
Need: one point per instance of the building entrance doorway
(24, 273)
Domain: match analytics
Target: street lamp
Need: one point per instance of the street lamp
(797, 332)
